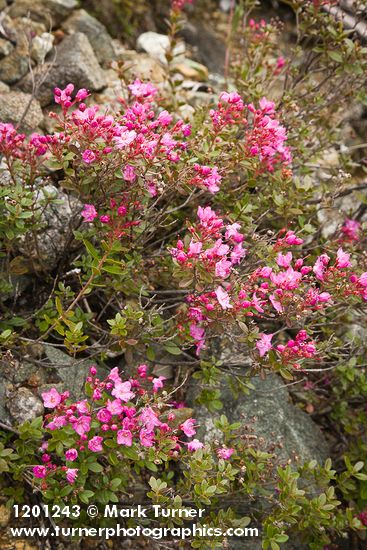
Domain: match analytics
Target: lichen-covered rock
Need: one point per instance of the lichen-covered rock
(100, 40)
(12, 107)
(41, 46)
(72, 372)
(271, 418)
(47, 11)
(23, 405)
(58, 220)
(74, 62)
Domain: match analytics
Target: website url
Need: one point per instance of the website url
(156, 533)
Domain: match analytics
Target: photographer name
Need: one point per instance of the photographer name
(114, 511)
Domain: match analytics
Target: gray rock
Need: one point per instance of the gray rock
(57, 219)
(283, 428)
(156, 45)
(72, 372)
(12, 107)
(13, 67)
(75, 62)
(100, 40)
(41, 46)
(23, 405)
(6, 47)
(49, 12)
(210, 48)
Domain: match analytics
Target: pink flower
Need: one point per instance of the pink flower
(291, 238)
(122, 391)
(320, 266)
(342, 259)
(188, 427)
(129, 173)
(82, 406)
(223, 298)
(71, 474)
(114, 407)
(146, 438)
(95, 444)
(158, 383)
(264, 344)
(223, 268)
(82, 425)
(125, 138)
(142, 370)
(104, 219)
(351, 229)
(284, 260)
(363, 279)
(51, 398)
(141, 90)
(82, 94)
(104, 415)
(39, 471)
(149, 419)
(89, 213)
(198, 333)
(88, 156)
(194, 445)
(71, 455)
(225, 453)
(125, 437)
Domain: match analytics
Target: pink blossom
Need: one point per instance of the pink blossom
(291, 238)
(39, 471)
(125, 437)
(320, 266)
(198, 333)
(104, 415)
(82, 425)
(89, 213)
(264, 344)
(351, 229)
(71, 455)
(149, 419)
(125, 138)
(223, 268)
(114, 407)
(146, 438)
(95, 444)
(363, 279)
(284, 260)
(225, 453)
(188, 427)
(122, 391)
(51, 398)
(142, 370)
(88, 156)
(142, 90)
(71, 474)
(194, 445)
(82, 406)
(223, 298)
(158, 383)
(342, 259)
(129, 173)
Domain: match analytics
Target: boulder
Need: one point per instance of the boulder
(12, 107)
(74, 62)
(72, 372)
(6, 47)
(100, 40)
(274, 422)
(49, 12)
(58, 220)
(23, 405)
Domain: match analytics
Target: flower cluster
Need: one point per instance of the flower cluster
(301, 347)
(118, 413)
(265, 137)
(290, 288)
(214, 246)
